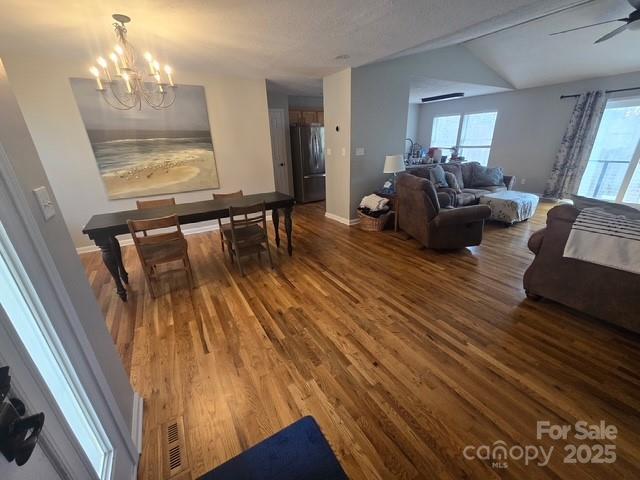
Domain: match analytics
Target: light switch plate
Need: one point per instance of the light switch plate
(359, 151)
(44, 200)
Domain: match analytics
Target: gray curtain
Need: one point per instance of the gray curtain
(571, 160)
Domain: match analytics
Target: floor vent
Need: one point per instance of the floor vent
(174, 448)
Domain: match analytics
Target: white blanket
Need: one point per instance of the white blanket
(374, 202)
(606, 239)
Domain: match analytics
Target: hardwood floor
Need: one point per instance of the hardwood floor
(404, 356)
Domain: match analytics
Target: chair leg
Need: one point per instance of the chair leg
(239, 263)
(148, 272)
(187, 266)
(269, 254)
(222, 240)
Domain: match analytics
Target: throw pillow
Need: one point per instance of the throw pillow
(467, 174)
(609, 207)
(437, 176)
(487, 177)
(452, 181)
(454, 168)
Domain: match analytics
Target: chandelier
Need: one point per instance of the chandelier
(123, 84)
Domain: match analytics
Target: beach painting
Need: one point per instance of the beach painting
(143, 152)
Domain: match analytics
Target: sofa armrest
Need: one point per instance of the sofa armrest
(446, 197)
(535, 242)
(456, 216)
(510, 181)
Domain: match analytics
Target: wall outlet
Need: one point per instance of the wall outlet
(523, 181)
(343, 152)
(44, 200)
(328, 152)
(359, 151)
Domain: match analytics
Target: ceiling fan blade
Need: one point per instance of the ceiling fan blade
(613, 33)
(635, 4)
(589, 26)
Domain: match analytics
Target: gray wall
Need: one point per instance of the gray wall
(529, 126)
(305, 102)
(380, 104)
(15, 138)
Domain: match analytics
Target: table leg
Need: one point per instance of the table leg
(275, 216)
(110, 259)
(288, 226)
(118, 252)
(396, 216)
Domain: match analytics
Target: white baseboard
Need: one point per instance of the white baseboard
(136, 421)
(345, 221)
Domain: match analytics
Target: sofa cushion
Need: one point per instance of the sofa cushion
(486, 176)
(438, 177)
(452, 182)
(454, 167)
(496, 189)
(465, 198)
(476, 192)
(467, 173)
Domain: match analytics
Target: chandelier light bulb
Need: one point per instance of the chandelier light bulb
(156, 65)
(148, 57)
(102, 62)
(168, 70)
(114, 59)
(118, 49)
(96, 73)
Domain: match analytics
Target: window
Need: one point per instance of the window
(612, 172)
(472, 133)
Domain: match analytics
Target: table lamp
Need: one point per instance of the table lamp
(393, 164)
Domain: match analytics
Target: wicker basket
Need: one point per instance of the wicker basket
(371, 224)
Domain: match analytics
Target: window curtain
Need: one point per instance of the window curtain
(571, 159)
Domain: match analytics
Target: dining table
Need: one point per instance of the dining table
(103, 228)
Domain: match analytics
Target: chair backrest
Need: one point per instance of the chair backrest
(145, 226)
(243, 217)
(237, 194)
(417, 196)
(161, 202)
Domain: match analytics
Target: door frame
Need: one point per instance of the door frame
(60, 316)
(287, 157)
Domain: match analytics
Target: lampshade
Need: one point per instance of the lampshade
(393, 164)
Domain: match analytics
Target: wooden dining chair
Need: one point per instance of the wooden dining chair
(159, 248)
(161, 202)
(248, 233)
(225, 226)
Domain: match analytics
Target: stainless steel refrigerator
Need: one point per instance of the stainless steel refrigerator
(307, 156)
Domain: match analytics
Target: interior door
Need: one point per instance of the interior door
(277, 122)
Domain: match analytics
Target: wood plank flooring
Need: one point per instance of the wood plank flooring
(403, 355)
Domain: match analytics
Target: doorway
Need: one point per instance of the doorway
(279, 141)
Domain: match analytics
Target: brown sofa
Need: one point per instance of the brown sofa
(464, 173)
(423, 219)
(604, 292)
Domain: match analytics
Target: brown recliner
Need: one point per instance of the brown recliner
(422, 218)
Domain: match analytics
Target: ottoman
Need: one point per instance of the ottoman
(510, 206)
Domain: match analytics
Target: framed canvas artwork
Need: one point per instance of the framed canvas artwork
(143, 152)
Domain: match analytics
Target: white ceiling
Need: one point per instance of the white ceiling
(526, 56)
(430, 87)
(291, 42)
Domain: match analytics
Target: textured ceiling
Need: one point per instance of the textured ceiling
(527, 56)
(292, 42)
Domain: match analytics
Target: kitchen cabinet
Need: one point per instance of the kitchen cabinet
(306, 117)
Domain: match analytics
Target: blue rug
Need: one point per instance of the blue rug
(299, 452)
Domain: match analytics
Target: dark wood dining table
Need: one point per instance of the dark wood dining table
(104, 227)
